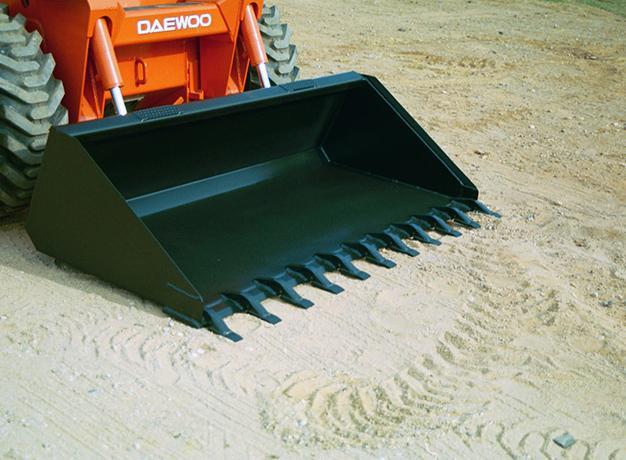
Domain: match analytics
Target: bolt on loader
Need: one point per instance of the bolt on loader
(171, 150)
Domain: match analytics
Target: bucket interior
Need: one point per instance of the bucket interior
(244, 194)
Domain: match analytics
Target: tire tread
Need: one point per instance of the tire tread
(30, 104)
(281, 52)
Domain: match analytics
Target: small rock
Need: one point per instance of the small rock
(93, 391)
(481, 153)
(3, 318)
(533, 127)
(594, 295)
(565, 441)
(402, 29)
(606, 303)
(581, 243)
(137, 445)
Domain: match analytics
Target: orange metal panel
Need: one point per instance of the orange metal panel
(157, 24)
(164, 66)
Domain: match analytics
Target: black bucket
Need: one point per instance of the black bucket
(210, 208)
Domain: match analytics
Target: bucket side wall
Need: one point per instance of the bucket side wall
(79, 218)
(374, 134)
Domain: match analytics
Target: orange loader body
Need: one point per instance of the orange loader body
(156, 54)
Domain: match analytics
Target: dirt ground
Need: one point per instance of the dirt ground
(488, 346)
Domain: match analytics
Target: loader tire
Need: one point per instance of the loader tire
(30, 104)
(281, 52)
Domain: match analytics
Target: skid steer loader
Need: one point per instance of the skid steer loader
(178, 180)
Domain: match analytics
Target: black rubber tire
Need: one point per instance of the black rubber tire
(281, 52)
(30, 104)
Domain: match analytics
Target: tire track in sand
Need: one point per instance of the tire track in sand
(339, 410)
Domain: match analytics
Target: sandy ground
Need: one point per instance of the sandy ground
(486, 347)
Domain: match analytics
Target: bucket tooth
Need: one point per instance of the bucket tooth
(462, 206)
(315, 274)
(395, 243)
(368, 248)
(439, 225)
(342, 261)
(249, 301)
(214, 315)
(476, 205)
(283, 287)
(459, 216)
(414, 227)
